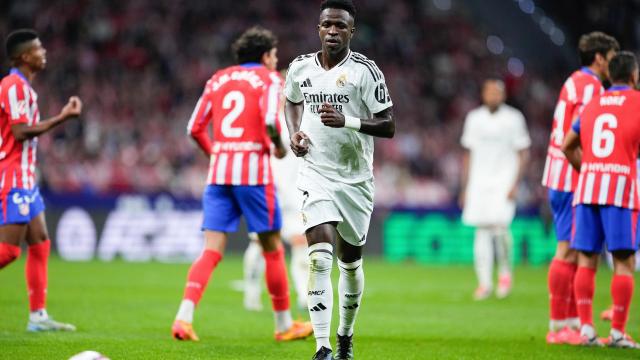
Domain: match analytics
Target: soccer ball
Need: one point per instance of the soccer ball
(89, 355)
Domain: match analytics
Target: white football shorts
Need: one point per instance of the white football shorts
(326, 200)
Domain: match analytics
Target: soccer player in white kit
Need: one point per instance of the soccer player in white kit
(337, 101)
(496, 140)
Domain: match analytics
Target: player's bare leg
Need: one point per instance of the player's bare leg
(350, 289)
(197, 280)
(278, 286)
(253, 268)
(504, 249)
(624, 263)
(483, 246)
(584, 288)
(562, 328)
(38, 243)
(321, 239)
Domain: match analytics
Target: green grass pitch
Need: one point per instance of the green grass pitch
(409, 311)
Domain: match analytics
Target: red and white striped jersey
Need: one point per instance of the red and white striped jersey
(242, 103)
(576, 92)
(609, 129)
(18, 105)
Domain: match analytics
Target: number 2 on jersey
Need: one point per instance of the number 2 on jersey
(234, 100)
(604, 139)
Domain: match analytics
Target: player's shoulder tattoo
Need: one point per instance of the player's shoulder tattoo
(371, 66)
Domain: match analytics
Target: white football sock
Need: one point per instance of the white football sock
(283, 320)
(483, 257)
(588, 331)
(185, 311)
(320, 294)
(573, 323)
(253, 265)
(350, 287)
(616, 334)
(504, 249)
(557, 325)
(38, 315)
(300, 272)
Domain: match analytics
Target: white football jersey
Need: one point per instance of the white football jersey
(355, 87)
(493, 141)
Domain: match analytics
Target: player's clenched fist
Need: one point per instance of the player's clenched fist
(330, 116)
(300, 144)
(72, 108)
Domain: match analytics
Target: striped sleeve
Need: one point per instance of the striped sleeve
(15, 102)
(270, 103)
(200, 118)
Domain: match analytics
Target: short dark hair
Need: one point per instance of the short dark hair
(252, 44)
(346, 5)
(595, 43)
(621, 66)
(17, 38)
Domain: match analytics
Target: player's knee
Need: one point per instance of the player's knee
(320, 258)
(270, 241)
(624, 262)
(350, 269)
(565, 253)
(8, 255)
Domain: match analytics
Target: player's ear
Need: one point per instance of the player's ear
(23, 58)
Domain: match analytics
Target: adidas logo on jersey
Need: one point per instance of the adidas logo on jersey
(306, 83)
(318, 307)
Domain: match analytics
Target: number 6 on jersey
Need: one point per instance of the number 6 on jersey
(604, 139)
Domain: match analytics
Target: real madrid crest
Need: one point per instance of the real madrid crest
(342, 80)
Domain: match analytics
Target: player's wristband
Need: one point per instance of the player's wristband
(351, 122)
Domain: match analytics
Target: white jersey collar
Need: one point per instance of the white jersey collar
(337, 65)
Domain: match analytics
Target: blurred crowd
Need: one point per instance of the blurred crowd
(140, 66)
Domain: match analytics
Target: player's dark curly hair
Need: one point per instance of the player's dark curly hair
(346, 5)
(622, 66)
(17, 38)
(252, 44)
(595, 43)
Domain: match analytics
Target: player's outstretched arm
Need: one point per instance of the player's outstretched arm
(293, 116)
(72, 109)
(381, 125)
(571, 149)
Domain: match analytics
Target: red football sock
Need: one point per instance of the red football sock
(621, 292)
(277, 281)
(8, 253)
(559, 281)
(584, 285)
(199, 274)
(36, 273)
(572, 310)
